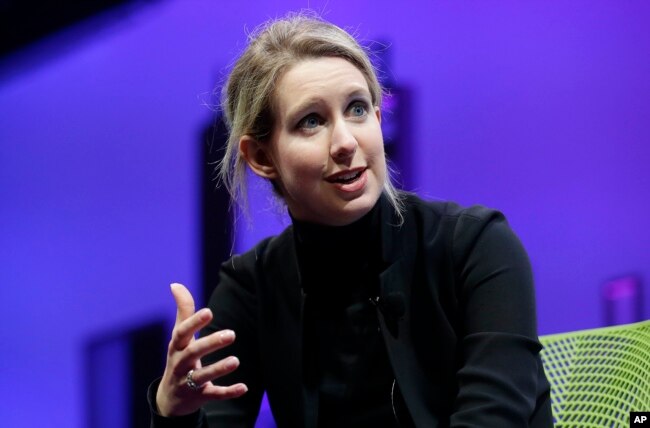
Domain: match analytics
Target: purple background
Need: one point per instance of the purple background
(540, 109)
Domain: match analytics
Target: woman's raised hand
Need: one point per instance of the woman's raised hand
(181, 392)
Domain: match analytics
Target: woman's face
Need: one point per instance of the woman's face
(327, 146)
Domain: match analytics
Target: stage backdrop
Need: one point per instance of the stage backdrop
(540, 109)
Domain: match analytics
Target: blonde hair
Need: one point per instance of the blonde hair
(247, 99)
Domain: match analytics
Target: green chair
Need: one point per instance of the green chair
(598, 376)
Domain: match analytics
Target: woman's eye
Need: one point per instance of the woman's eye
(309, 122)
(358, 109)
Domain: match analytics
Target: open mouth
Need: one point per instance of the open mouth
(347, 178)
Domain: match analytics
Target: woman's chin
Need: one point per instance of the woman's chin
(353, 210)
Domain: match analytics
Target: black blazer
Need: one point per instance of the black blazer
(462, 340)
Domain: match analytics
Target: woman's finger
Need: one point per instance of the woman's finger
(208, 344)
(214, 392)
(184, 331)
(184, 302)
(214, 371)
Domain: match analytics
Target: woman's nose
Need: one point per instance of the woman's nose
(343, 144)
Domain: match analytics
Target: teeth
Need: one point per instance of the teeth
(348, 177)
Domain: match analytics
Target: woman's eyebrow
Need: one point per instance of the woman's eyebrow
(359, 92)
(317, 101)
(304, 106)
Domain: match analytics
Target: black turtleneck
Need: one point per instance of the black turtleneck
(346, 359)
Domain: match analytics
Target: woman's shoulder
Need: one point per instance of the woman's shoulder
(447, 210)
(464, 232)
(455, 226)
(265, 251)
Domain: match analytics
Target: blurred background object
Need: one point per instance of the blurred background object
(25, 22)
(623, 301)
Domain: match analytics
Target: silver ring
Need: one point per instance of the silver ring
(190, 382)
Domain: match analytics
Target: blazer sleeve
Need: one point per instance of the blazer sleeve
(499, 368)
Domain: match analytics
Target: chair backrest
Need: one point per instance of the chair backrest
(598, 376)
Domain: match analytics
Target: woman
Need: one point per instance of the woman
(375, 308)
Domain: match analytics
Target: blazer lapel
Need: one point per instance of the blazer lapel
(399, 248)
(283, 335)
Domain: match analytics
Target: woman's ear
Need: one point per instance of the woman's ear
(378, 114)
(257, 157)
